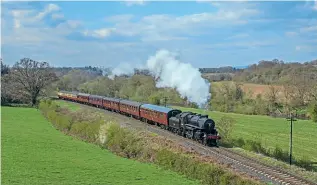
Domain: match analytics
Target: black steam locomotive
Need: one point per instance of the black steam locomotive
(195, 126)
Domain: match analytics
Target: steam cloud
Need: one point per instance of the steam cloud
(173, 73)
(123, 68)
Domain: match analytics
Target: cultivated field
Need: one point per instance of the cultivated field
(255, 89)
(272, 131)
(33, 152)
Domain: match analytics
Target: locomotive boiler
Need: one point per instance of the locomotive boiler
(195, 126)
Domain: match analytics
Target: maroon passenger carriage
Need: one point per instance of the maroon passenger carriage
(157, 114)
(83, 98)
(96, 100)
(111, 104)
(130, 108)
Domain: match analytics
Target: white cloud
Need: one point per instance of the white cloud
(309, 29)
(18, 15)
(56, 16)
(100, 33)
(48, 9)
(239, 36)
(306, 48)
(290, 33)
(167, 27)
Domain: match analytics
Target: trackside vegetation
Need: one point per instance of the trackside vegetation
(33, 152)
(99, 129)
(269, 136)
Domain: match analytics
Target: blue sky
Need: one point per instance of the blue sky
(205, 34)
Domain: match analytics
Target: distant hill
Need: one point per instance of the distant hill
(265, 72)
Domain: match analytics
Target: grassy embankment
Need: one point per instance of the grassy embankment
(33, 152)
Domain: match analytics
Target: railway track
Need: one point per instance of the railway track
(240, 163)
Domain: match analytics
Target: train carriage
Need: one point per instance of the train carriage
(83, 98)
(72, 96)
(96, 100)
(111, 104)
(130, 108)
(157, 114)
(61, 95)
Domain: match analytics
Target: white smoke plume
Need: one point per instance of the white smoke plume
(173, 73)
(124, 69)
(183, 76)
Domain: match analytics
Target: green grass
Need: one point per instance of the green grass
(33, 152)
(273, 131)
(70, 106)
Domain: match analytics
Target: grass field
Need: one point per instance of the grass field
(273, 131)
(70, 106)
(33, 152)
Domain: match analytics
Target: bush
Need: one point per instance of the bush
(124, 142)
(313, 111)
(225, 127)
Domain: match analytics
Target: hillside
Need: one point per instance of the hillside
(33, 152)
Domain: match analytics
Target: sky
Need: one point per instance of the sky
(204, 34)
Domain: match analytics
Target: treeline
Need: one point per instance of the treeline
(277, 72)
(299, 99)
(265, 72)
(298, 95)
(227, 69)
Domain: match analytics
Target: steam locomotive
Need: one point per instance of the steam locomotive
(195, 126)
(187, 124)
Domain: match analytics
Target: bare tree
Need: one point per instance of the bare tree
(4, 68)
(272, 96)
(31, 77)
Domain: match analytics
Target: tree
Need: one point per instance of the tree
(272, 96)
(225, 126)
(31, 77)
(4, 68)
(313, 111)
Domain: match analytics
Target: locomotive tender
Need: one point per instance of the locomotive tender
(187, 124)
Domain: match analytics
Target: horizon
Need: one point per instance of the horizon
(205, 34)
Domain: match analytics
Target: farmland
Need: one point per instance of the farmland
(272, 131)
(33, 152)
(254, 89)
